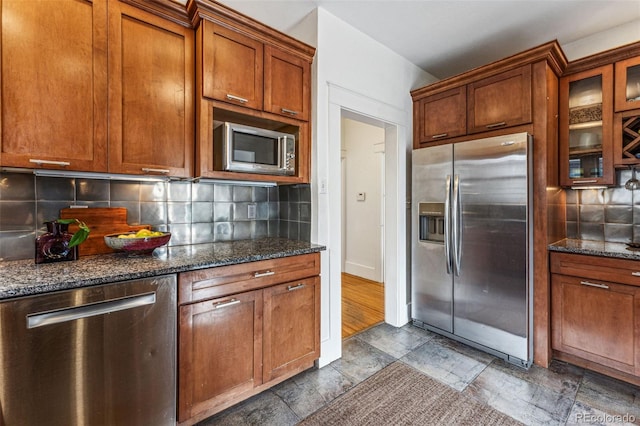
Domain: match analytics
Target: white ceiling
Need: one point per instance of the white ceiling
(447, 37)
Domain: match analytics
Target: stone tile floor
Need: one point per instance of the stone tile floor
(562, 394)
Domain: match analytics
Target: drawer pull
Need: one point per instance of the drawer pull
(494, 125)
(263, 274)
(237, 98)
(296, 287)
(439, 136)
(50, 163)
(636, 274)
(584, 181)
(225, 304)
(151, 170)
(289, 111)
(590, 284)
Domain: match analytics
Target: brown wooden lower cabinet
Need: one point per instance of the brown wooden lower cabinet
(595, 322)
(256, 332)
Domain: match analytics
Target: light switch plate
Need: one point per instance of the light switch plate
(251, 211)
(361, 196)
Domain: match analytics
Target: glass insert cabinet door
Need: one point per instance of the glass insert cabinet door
(586, 110)
(627, 75)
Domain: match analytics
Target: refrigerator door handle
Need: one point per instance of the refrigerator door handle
(457, 226)
(447, 224)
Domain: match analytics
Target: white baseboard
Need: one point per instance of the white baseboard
(363, 271)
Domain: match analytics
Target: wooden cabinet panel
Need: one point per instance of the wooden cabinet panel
(224, 280)
(586, 127)
(291, 325)
(503, 100)
(220, 351)
(627, 84)
(232, 66)
(442, 116)
(597, 321)
(151, 114)
(287, 80)
(261, 327)
(54, 84)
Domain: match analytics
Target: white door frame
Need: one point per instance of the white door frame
(395, 264)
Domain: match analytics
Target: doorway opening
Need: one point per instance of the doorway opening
(362, 180)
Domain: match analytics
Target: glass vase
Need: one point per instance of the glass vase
(53, 246)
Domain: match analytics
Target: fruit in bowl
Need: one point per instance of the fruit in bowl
(143, 241)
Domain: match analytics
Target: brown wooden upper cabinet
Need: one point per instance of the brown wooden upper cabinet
(287, 81)
(242, 70)
(442, 115)
(54, 111)
(627, 84)
(232, 66)
(151, 107)
(586, 126)
(502, 100)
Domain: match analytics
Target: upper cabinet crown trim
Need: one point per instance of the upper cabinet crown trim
(604, 58)
(550, 51)
(221, 14)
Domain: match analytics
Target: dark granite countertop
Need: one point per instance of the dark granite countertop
(595, 248)
(24, 278)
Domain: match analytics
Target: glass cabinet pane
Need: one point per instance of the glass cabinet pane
(633, 83)
(585, 128)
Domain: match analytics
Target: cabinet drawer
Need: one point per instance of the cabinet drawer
(224, 280)
(596, 268)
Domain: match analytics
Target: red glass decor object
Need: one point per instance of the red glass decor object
(54, 245)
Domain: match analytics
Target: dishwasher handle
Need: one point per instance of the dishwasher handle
(41, 319)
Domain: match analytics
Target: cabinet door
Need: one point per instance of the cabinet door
(597, 321)
(151, 114)
(442, 116)
(291, 327)
(286, 84)
(220, 352)
(232, 67)
(627, 80)
(503, 100)
(585, 127)
(54, 84)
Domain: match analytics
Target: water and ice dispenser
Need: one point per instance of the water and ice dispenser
(431, 221)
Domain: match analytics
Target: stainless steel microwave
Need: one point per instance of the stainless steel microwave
(241, 148)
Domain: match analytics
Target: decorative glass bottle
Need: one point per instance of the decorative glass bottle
(53, 246)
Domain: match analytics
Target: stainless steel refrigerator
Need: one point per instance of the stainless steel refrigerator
(471, 248)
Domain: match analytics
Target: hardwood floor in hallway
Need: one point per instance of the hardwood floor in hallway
(362, 304)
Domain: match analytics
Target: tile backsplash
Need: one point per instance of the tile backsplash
(192, 212)
(611, 214)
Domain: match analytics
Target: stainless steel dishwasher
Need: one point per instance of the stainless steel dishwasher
(102, 355)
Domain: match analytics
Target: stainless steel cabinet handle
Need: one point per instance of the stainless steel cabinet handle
(237, 98)
(447, 223)
(225, 304)
(263, 274)
(289, 111)
(590, 284)
(85, 311)
(48, 162)
(296, 287)
(439, 136)
(636, 274)
(150, 170)
(494, 125)
(584, 181)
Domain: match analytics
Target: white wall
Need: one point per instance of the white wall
(605, 40)
(353, 71)
(363, 152)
